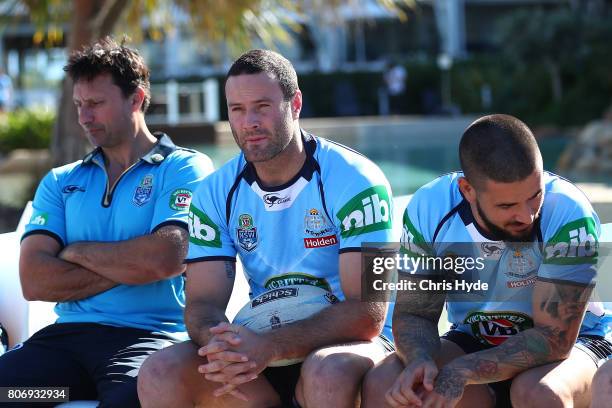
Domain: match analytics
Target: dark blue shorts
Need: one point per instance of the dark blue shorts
(285, 379)
(596, 347)
(97, 362)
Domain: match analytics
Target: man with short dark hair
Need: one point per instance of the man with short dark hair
(328, 199)
(107, 240)
(534, 238)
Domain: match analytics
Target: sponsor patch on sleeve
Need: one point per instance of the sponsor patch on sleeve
(412, 241)
(39, 218)
(202, 230)
(180, 199)
(575, 243)
(368, 211)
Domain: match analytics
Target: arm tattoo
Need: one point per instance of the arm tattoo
(230, 269)
(449, 384)
(560, 312)
(415, 321)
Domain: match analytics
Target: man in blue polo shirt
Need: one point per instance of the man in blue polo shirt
(107, 240)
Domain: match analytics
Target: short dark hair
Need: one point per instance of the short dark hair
(270, 62)
(500, 148)
(125, 65)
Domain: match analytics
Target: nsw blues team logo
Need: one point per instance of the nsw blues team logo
(143, 192)
(246, 233)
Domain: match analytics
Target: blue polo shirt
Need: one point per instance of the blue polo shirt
(75, 203)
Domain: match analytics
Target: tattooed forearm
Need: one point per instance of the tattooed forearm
(520, 352)
(415, 329)
(449, 383)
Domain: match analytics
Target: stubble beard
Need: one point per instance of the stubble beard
(278, 140)
(502, 234)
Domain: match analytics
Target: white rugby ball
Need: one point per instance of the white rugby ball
(282, 306)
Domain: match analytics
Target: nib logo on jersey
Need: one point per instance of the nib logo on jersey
(368, 211)
(575, 243)
(493, 328)
(202, 230)
(318, 227)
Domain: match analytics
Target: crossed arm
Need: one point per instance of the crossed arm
(84, 269)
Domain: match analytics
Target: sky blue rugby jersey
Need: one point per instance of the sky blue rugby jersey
(74, 203)
(292, 234)
(438, 221)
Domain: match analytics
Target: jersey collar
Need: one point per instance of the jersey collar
(156, 155)
(308, 169)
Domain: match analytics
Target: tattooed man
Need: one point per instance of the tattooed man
(529, 336)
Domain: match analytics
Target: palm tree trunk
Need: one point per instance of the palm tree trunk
(92, 20)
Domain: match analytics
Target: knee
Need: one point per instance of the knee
(526, 392)
(159, 372)
(602, 381)
(335, 372)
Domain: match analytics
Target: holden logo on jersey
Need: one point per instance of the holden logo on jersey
(143, 192)
(202, 230)
(575, 243)
(39, 218)
(180, 199)
(246, 233)
(368, 211)
(273, 199)
(317, 225)
(493, 328)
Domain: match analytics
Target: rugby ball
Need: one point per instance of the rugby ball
(282, 306)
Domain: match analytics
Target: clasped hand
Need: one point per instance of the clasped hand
(235, 356)
(422, 385)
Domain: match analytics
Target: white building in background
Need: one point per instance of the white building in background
(362, 35)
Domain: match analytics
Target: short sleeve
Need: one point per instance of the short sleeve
(571, 239)
(48, 216)
(209, 238)
(181, 178)
(364, 209)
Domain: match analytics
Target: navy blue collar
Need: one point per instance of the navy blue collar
(162, 149)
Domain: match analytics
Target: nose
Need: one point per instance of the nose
(85, 116)
(526, 214)
(252, 119)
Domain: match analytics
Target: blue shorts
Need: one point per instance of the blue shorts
(96, 362)
(596, 347)
(284, 379)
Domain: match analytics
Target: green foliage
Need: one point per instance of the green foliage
(558, 65)
(29, 129)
